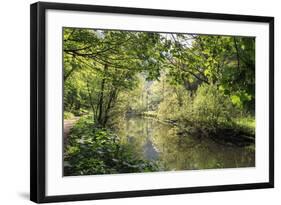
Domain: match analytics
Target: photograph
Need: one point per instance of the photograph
(135, 102)
(139, 101)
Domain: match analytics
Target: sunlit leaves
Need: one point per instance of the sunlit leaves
(187, 60)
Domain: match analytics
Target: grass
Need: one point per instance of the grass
(246, 123)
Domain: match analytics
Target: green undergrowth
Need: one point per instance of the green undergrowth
(68, 115)
(92, 150)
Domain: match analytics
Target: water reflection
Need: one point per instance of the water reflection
(157, 141)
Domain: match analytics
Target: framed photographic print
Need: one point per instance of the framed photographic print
(129, 102)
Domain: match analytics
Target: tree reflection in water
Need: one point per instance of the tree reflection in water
(157, 141)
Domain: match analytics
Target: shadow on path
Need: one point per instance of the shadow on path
(67, 125)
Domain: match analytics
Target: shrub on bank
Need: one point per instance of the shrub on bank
(208, 112)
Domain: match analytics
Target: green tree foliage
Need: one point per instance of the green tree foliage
(98, 65)
(228, 62)
(102, 65)
(200, 83)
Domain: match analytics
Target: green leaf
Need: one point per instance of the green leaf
(235, 99)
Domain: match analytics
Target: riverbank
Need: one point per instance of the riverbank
(145, 144)
(238, 132)
(174, 151)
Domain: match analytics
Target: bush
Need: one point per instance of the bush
(207, 106)
(208, 113)
(68, 115)
(212, 107)
(169, 108)
(176, 103)
(93, 150)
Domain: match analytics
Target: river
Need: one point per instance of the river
(160, 142)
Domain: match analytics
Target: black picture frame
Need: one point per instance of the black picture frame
(38, 101)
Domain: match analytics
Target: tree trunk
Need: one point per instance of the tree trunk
(237, 53)
(100, 104)
(91, 100)
(110, 104)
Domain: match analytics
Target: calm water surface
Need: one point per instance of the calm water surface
(160, 142)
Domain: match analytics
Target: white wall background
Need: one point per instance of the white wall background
(14, 100)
